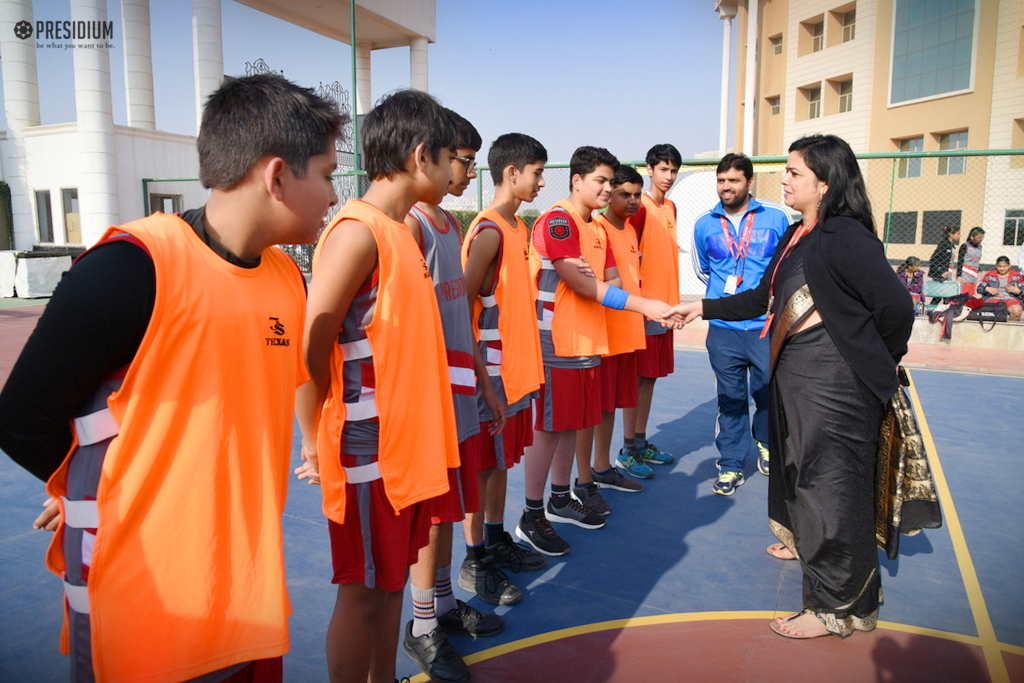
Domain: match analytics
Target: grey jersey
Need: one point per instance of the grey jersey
(442, 252)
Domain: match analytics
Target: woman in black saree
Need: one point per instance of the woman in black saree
(839, 321)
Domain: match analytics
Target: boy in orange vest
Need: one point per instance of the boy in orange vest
(435, 608)
(573, 337)
(495, 255)
(655, 224)
(618, 367)
(379, 449)
(166, 438)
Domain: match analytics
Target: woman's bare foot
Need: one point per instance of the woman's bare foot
(800, 625)
(780, 551)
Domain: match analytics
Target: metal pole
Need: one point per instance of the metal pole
(480, 190)
(355, 93)
(892, 191)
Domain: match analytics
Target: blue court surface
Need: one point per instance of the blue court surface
(678, 586)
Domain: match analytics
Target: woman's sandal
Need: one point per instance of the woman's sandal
(776, 550)
(777, 628)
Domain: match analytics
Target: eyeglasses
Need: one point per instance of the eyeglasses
(470, 162)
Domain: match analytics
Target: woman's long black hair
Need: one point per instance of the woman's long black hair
(833, 162)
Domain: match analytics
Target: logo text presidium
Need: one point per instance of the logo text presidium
(74, 30)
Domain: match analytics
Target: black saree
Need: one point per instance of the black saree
(824, 426)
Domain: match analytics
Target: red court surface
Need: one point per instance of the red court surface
(677, 587)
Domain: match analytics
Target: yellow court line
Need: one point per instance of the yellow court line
(982, 621)
(680, 618)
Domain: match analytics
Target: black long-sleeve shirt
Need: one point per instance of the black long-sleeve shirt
(92, 326)
(865, 308)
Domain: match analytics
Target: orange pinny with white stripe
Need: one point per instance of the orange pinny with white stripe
(410, 396)
(182, 566)
(504, 319)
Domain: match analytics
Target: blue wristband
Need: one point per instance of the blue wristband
(615, 298)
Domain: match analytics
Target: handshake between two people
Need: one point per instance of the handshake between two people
(675, 317)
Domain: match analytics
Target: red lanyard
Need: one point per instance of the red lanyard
(797, 236)
(738, 251)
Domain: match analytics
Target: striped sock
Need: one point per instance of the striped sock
(641, 439)
(629, 444)
(424, 620)
(444, 600)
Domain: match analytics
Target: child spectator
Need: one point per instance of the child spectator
(495, 256)
(618, 367)
(373, 331)
(1003, 284)
(436, 612)
(941, 265)
(166, 436)
(573, 337)
(655, 225)
(912, 277)
(968, 260)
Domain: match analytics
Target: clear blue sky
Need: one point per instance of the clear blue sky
(602, 73)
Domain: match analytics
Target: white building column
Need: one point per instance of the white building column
(207, 51)
(97, 185)
(21, 105)
(726, 13)
(363, 103)
(418, 64)
(748, 93)
(138, 64)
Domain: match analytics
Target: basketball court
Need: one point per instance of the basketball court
(678, 585)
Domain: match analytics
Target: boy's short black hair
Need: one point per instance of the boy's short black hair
(585, 159)
(627, 174)
(739, 162)
(466, 135)
(514, 149)
(1002, 259)
(664, 152)
(400, 121)
(249, 118)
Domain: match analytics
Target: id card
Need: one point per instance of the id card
(730, 284)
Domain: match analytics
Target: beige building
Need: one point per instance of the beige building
(891, 76)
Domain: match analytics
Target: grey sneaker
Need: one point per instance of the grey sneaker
(590, 498)
(573, 512)
(615, 480)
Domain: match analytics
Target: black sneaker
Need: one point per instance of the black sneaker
(466, 620)
(535, 530)
(435, 656)
(573, 512)
(590, 498)
(488, 582)
(508, 554)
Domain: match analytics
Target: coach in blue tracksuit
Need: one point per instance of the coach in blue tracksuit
(732, 245)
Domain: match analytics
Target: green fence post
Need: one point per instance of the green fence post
(480, 190)
(145, 196)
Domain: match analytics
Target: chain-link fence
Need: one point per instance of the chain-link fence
(913, 195)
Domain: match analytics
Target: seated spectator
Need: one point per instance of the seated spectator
(1003, 284)
(912, 277)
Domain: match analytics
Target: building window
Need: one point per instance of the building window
(817, 36)
(911, 168)
(901, 227)
(72, 219)
(849, 26)
(165, 203)
(44, 216)
(932, 46)
(845, 96)
(776, 45)
(934, 222)
(1013, 229)
(775, 104)
(953, 165)
(814, 103)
